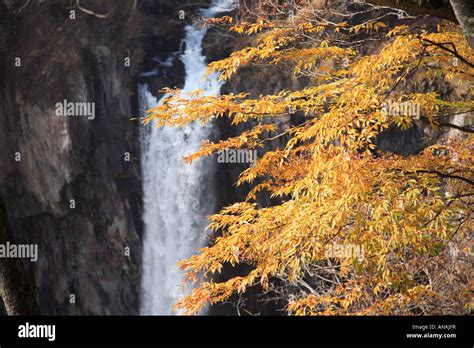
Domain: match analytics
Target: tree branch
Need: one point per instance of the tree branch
(461, 128)
(436, 8)
(78, 6)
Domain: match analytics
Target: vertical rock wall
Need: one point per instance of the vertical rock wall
(72, 184)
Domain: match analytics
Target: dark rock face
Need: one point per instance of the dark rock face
(76, 190)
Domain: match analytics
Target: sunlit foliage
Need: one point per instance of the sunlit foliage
(333, 183)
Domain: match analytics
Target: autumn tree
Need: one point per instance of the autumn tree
(331, 182)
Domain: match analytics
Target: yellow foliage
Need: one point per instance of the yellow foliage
(333, 183)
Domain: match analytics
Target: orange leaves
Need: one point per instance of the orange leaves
(328, 181)
(368, 26)
(270, 47)
(247, 140)
(220, 21)
(250, 28)
(398, 30)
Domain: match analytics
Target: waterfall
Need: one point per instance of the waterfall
(177, 196)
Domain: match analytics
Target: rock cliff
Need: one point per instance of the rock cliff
(72, 185)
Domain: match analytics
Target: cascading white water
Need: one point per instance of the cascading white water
(177, 196)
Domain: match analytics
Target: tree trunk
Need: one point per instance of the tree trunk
(457, 11)
(464, 10)
(15, 289)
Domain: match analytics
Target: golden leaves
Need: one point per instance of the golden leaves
(331, 183)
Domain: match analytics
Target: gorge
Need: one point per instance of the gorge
(138, 209)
